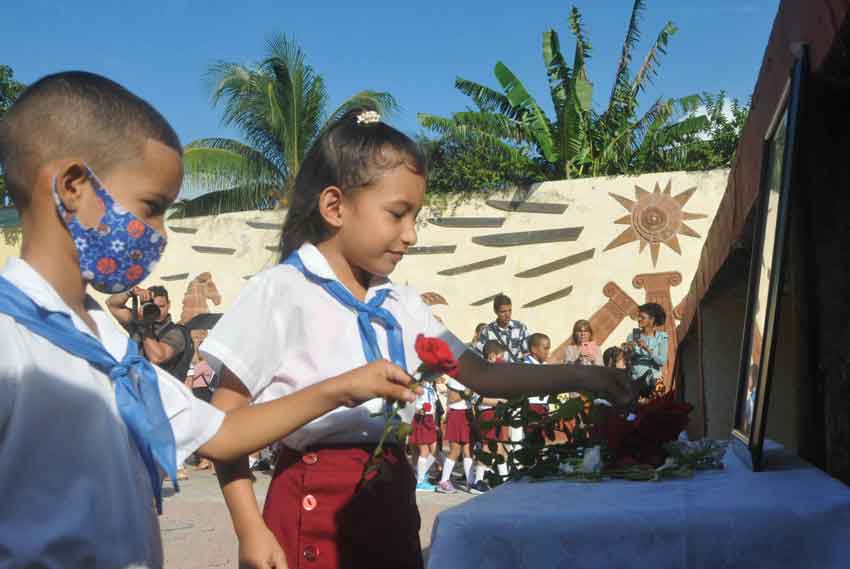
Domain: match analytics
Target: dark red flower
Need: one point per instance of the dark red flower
(436, 355)
(662, 419)
(642, 441)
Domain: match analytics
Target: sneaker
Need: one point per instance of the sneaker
(480, 487)
(446, 488)
(425, 486)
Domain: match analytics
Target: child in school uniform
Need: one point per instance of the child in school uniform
(495, 353)
(105, 421)
(328, 307)
(423, 437)
(539, 346)
(458, 434)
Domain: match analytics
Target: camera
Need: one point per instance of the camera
(146, 313)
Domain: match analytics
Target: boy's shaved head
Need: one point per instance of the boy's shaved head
(75, 114)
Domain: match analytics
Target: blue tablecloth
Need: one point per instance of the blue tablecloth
(791, 515)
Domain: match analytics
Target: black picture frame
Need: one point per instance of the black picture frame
(764, 292)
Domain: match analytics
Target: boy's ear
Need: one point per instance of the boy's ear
(72, 185)
(331, 205)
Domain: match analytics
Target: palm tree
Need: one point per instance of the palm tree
(578, 141)
(280, 107)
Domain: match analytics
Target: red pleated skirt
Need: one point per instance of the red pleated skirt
(457, 426)
(424, 430)
(324, 517)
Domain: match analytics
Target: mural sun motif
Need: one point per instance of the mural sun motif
(654, 218)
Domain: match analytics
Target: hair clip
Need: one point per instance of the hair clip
(368, 117)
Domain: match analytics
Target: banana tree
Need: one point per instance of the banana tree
(578, 141)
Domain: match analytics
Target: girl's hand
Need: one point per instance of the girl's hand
(259, 549)
(377, 379)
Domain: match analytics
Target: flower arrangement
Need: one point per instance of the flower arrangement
(602, 444)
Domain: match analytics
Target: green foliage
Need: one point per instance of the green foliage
(456, 166)
(280, 105)
(9, 91)
(578, 141)
(717, 148)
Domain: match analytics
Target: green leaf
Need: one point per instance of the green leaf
(534, 117)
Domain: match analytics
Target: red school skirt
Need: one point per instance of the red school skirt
(457, 426)
(424, 430)
(493, 432)
(325, 518)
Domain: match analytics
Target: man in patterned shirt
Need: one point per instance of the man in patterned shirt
(512, 334)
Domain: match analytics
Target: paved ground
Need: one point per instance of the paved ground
(196, 530)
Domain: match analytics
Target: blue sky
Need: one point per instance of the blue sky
(160, 49)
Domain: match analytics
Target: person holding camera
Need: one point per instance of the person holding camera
(149, 323)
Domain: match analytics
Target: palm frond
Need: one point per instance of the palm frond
(260, 196)
(649, 67)
(621, 78)
(379, 101)
(556, 69)
(485, 98)
(469, 132)
(534, 117)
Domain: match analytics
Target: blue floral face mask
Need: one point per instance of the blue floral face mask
(119, 251)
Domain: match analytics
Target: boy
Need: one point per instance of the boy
(86, 424)
(539, 346)
(511, 333)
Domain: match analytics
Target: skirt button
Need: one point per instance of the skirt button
(309, 502)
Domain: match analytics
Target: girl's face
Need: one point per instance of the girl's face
(583, 335)
(645, 321)
(379, 222)
(621, 362)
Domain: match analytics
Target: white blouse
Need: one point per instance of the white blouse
(284, 333)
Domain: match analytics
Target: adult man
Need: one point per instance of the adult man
(162, 341)
(512, 334)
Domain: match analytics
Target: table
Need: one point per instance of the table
(790, 515)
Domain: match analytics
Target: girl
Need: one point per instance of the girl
(648, 344)
(424, 436)
(583, 350)
(329, 306)
(459, 436)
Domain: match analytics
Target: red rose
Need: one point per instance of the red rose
(436, 355)
(661, 420)
(426, 407)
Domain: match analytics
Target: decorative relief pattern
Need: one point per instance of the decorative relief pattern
(529, 237)
(467, 222)
(214, 250)
(494, 262)
(558, 294)
(527, 207)
(654, 218)
(557, 265)
(432, 250)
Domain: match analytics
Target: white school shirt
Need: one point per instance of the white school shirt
(455, 385)
(285, 332)
(537, 399)
(75, 493)
(428, 395)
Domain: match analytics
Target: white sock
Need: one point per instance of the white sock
(448, 466)
(503, 469)
(429, 463)
(467, 469)
(480, 469)
(421, 469)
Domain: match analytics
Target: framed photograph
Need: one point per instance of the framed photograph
(766, 271)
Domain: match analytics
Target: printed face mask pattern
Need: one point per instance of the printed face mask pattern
(119, 251)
